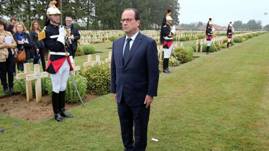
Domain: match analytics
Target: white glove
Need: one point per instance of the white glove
(173, 30)
(62, 34)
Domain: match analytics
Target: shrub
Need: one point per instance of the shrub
(217, 46)
(183, 39)
(113, 38)
(19, 86)
(237, 40)
(224, 45)
(225, 40)
(213, 47)
(71, 93)
(98, 79)
(87, 49)
(173, 61)
(184, 54)
(79, 51)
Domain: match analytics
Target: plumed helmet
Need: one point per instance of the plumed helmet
(53, 10)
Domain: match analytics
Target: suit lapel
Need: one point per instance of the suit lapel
(120, 51)
(134, 48)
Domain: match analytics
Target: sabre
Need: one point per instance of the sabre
(74, 83)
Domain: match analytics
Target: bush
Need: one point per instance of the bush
(182, 39)
(173, 61)
(224, 45)
(71, 93)
(98, 79)
(19, 86)
(213, 47)
(79, 51)
(87, 49)
(113, 38)
(217, 46)
(225, 40)
(184, 54)
(237, 40)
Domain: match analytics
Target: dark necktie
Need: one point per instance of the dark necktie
(126, 50)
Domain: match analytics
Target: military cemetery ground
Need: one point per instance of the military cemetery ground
(213, 102)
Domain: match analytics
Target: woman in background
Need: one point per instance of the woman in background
(24, 43)
(39, 47)
(7, 66)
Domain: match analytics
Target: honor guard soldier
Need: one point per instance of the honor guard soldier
(167, 33)
(60, 63)
(209, 34)
(230, 31)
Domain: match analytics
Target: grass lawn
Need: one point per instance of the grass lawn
(218, 102)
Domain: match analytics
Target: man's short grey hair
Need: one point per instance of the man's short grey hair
(137, 14)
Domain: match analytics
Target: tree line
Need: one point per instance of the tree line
(92, 14)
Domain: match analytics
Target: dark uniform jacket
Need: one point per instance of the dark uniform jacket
(55, 61)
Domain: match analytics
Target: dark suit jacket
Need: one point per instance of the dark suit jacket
(139, 76)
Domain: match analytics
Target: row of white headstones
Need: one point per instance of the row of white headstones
(93, 36)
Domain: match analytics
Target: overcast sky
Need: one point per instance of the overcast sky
(223, 11)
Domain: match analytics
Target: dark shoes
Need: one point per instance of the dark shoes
(9, 91)
(58, 105)
(166, 71)
(58, 117)
(2, 130)
(6, 91)
(66, 114)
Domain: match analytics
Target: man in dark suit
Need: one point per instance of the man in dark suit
(134, 80)
(73, 35)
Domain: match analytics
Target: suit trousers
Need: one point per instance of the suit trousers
(134, 125)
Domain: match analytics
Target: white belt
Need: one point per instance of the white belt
(59, 53)
(54, 36)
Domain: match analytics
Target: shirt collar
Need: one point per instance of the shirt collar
(133, 37)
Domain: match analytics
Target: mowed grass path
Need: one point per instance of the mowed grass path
(218, 102)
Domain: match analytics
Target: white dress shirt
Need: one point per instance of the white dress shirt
(131, 42)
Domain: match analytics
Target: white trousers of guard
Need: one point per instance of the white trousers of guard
(209, 42)
(59, 79)
(167, 52)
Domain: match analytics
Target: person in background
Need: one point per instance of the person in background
(168, 12)
(209, 34)
(11, 26)
(73, 35)
(24, 43)
(167, 34)
(39, 47)
(7, 66)
(60, 62)
(230, 31)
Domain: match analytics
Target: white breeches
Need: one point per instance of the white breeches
(59, 80)
(209, 42)
(167, 52)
